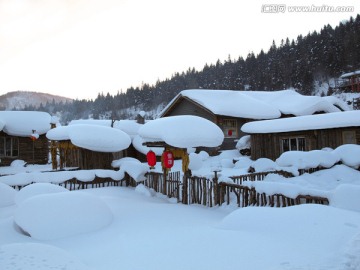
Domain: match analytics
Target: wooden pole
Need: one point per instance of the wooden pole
(164, 180)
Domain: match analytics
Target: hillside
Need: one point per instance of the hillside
(21, 99)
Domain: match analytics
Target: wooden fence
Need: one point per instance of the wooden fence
(204, 191)
(246, 196)
(75, 184)
(208, 192)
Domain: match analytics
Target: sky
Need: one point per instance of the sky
(79, 48)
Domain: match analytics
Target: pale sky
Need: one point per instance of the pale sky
(79, 48)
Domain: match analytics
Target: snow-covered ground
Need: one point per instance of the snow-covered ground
(136, 228)
(149, 231)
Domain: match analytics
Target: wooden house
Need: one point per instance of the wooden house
(86, 146)
(22, 137)
(349, 82)
(230, 110)
(270, 138)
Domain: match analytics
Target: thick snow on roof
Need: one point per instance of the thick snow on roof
(349, 74)
(92, 137)
(291, 102)
(137, 142)
(183, 131)
(130, 127)
(231, 103)
(98, 122)
(58, 134)
(260, 104)
(308, 122)
(22, 123)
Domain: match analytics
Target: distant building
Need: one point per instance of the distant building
(350, 83)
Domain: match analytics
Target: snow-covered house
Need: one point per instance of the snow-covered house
(22, 136)
(231, 109)
(270, 138)
(349, 82)
(87, 146)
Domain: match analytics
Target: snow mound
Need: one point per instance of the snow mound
(294, 219)
(264, 164)
(244, 142)
(37, 189)
(349, 154)
(133, 167)
(35, 256)
(18, 163)
(64, 214)
(141, 189)
(243, 163)
(7, 195)
(307, 160)
(346, 196)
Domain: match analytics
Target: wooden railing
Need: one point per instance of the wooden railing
(204, 191)
(246, 196)
(208, 192)
(172, 185)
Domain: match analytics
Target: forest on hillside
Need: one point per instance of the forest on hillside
(296, 64)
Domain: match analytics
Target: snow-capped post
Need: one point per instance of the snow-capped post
(151, 159)
(216, 167)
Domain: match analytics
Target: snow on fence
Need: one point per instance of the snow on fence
(69, 179)
(246, 196)
(171, 187)
(209, 192)
(188, 190)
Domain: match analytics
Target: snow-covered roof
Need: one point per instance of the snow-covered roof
(22, 123)
(291, 102)
(130, 127)
(92, 137)
(259, 104)
(307, 122)
(183, 131)
(349, 74)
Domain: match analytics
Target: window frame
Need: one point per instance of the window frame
(9, 147)
(229, 124)
(300, 143)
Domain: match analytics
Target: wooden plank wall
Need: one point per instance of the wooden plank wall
(36, 152)
(268, 145)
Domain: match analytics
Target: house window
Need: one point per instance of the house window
(349, 137)
(293, 144)
(230, 128)
(9, 147)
